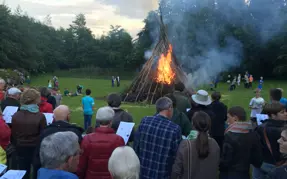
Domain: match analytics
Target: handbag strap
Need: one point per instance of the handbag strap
(189, 159)
(267, 141)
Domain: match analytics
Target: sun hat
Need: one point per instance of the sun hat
(105, 114)
(201, 97)
(14, 91)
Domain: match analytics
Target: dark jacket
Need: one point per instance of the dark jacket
(220, 116)
(52, 101)
(97, 148)
(205, 109)
(120, 116)
(273, 131)
(26, 128)
(10, 102)
(182, 101)
(239, 151)
(182, 120)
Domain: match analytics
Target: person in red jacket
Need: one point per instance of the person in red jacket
(97, 147)
(5, 134)
(44, 106)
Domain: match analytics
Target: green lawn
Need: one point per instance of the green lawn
(101, 88)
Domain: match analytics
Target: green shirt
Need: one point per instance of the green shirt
(182, 102)
(182, 120)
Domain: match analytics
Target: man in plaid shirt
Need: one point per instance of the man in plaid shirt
(156, 142)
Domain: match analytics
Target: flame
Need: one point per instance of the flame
(165, 74)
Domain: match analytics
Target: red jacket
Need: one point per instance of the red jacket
(5, 134)
(45, 107)
(97, 149)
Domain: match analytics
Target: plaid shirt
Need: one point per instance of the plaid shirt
(156, 143)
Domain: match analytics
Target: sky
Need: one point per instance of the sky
(100, 14)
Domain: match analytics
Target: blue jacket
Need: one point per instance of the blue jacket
(44, 173)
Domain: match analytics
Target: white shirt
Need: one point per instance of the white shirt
(256, 103)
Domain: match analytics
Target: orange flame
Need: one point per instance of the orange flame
(165, 74)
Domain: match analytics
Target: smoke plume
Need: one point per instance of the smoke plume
(198, 34)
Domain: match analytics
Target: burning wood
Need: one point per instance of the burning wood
(153, 83)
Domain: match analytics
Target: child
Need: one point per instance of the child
(233, 84)
(241, 147)
(88, 108)
(260, 86)
(238, 79)
(250, 81)
(49, 84)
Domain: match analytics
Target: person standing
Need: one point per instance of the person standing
(45, 106)
(113, 81)
(156, 142)
(60, 124)
(59, 154)
(220, 116)
(197, 158)
(270, 132)
(2, 89)
(98, 147)
(12, 99)
(280, 172)
(238, 79)
(256, 106)
(250, 81)
(241, 147)
(260, 86)
(118, 81)
(26, 126)
(182, 101)
(88, 108)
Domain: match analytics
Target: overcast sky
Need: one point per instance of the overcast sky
(100, 14)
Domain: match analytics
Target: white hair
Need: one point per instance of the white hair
(56, 148)
(124, 163)
(2, 81)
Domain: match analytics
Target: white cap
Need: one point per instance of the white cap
(14, 91)
(105, 114)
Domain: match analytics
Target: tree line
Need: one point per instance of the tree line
(37, 47)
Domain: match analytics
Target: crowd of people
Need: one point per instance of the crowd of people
(189, 136)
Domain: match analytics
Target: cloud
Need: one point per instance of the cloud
(100, 14)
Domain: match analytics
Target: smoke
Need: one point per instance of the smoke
(200, 35)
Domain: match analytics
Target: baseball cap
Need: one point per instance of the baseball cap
(14, 91)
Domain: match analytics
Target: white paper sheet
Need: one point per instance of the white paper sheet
(3, 168)
(49, 118)
(261, 117)
(14, 174)
(188, 109)
(125, 130)
(8, 112)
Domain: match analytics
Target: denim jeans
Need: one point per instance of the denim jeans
(87, 121)
(260, 173)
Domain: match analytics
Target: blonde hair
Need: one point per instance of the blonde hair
(30, 96)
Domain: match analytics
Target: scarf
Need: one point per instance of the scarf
(239, 127)
(192, 135)
(33, 108)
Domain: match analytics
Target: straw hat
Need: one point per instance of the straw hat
(201, 97)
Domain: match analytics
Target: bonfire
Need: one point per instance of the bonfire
(158, 75)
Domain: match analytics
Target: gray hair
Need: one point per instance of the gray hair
(56, 148)
(2, 81)
(163, 103)
(124, 163)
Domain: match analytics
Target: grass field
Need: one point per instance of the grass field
(101, 88)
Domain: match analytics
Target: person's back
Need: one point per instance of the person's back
(239, 151)
(241, 147)
(182, 102)
(88, 103)
(156, 144)
(98, 147)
